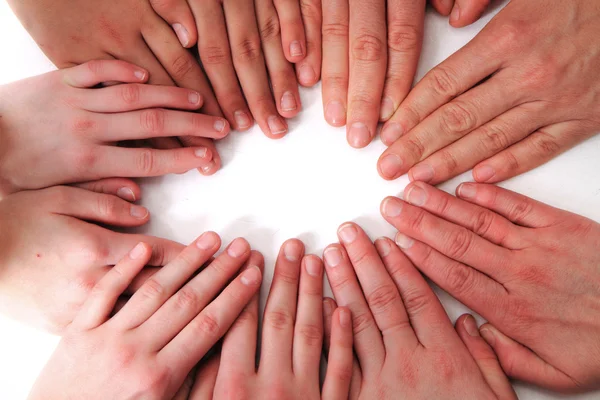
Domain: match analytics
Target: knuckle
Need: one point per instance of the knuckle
(152, 289)
(130, 94)
(85, 160)
(335, 82)
(416, 221)
(460, 279)
(511, 162)
(247, 318)
(82, 125)
(457, 118)
(162, 5)
(458, 244)
(367, 47)
(404, 38)
(153, 120)
(545, 144)
(449, 161)
(125, 356)
(270, 28)
(95, 66)
(90, 250)
(214, 55)
(153, 380)
(494, 139)
(520, 210)
(187, 299)
(206, 325)
(278, 320)
(335, 32)
(510, 33)
(361, 322)
(248, 51)
(416, 301)
(181, 66)
(443, 82)
(483, 223)
(415, 147)
(382, 298)
(341, 373)
(312, 335)
(311, 11)
(145, 162)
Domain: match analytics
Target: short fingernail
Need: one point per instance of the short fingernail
(194, 98)
(455, 15)
(126, 194)
(140, 75)
(327, 307)
(201, 152)
(387, 108)
(390, 166)
(416, 196)
(313, 266)
(242, 119)
(422, 173)
(332, 256)
(292, 251)
(182, 34)
(391, 132)
(335, 113)
(306, 74)
(392, 207)
(207, 241)
(138, 212)
(467, 191)
(471, 326)
(403, 241)
(359, 135)
(276, 125)
(209, 167)
(296, 49)
(251, 276)
(489, 336)
(288, 102)
(137, 251)
(348, 233)
(345, 318)
(237, 248)
(383, 247)
(219, 125)
(484, 173)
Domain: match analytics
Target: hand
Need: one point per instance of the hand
(370, 58)
(71, 32)
(50, 259)
(531, 270)
(404, 343)
(149, 347)
(57, 126)
(520, 93)
(292, 337)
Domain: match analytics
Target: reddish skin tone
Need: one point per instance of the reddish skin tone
(520, 93)
(292, 336)
(75, 134)
(531, 270)
(404, 343)
(152, 344)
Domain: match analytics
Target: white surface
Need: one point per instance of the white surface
(303, 186)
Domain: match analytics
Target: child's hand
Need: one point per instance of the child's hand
(292, 337)
(148, 348)
(55, 129)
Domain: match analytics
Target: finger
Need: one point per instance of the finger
(515, 207)
(95, 72)
(213, 164)
(484, 356)
(124, 188)
(184, 391)
(293, 39)
(465, 12)
(336, 68)
(521, 363)
(405, 23)
(309, 69)
(206, 379)
(340, 360)
(280, 311)
(368, 62)
(163, 250)
(140, 54)
(378, 287)
(368, 342)
(178, 14)
(442, 6)
(165, 143)
(162, 285)
(107, 291)
(308, 331)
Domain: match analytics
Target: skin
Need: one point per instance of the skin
(524, 90)
(150, 346)
(72, 32)
(521, 265)
(76, 131)
(405, 345)
(292, 336)
(370, 57)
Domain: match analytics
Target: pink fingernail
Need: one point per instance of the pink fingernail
(296, 49)
(237, 248)
(201, 152)
(138, 251)
(390, 166)
(387, 109)
(207, 241)
(126, 194)
(467, 191)
(292, 251)
(359, 135)
(313, 266)
(403, 241)
(335, 113)
(383, 247)
(276, 125)
(332, 256)
(194, 98)
(140, 75)
(306, 75)
(182, 34)
(455, 15)
(345, 318)
(391, 132)
(392, 207)
(416, 196)
(471, 326)
(251, 276)
(484, 173)
(219, 125)
(348, 233)
(242, 119)
(288, 101)
(422, 173)
(138, 212)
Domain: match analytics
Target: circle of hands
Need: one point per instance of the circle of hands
(144, 317)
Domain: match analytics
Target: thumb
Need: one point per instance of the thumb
(465, 12)
(179, 15)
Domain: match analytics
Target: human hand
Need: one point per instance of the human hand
(55, 129)
(149, 347)
(531, 270)
(404, 343)
(521, 92)
(292, 337)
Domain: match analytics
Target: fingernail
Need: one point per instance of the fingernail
(403, 241)
(392, 207)
(137, 251)
(345, 318)
(390, 166)
(489, 336)
(391, 132)
(138, 212)
(288, 102)
(242, 119)
(422, 173)
(332, 256)
(182, 34)
(471, 326)
(416, 196)
(201, 152)
(327, 307)
(237, 248)
(219, 125)
(296, 49)
(292, 251)
(348, 233)
(313, 266)
(140, 75)
(194, 98)
(251, 276)
(484, 173)
(209, 167)
(126, 194)
(387, 109)
(383, 247)
(207, 241)
(359, 135)
(306, 75)
(276, 125)
(455, 15)
(335, 113)
(467, 191)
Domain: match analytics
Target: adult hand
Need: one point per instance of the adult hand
(51, 258)
(57, 130)
(531, 270)
(404, 343)
(520, 93)
(149, 347)
(292, 338)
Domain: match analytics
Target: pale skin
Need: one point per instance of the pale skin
(151, 345)
(531, 270)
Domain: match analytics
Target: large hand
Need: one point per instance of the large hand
(523, 91)
(531, 270)
(149, 347)
(405, 345)
(50, 259)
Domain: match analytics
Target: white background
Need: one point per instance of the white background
(304, 186)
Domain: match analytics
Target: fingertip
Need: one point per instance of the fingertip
(344, 317)
(257, 258)
(293, 250)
